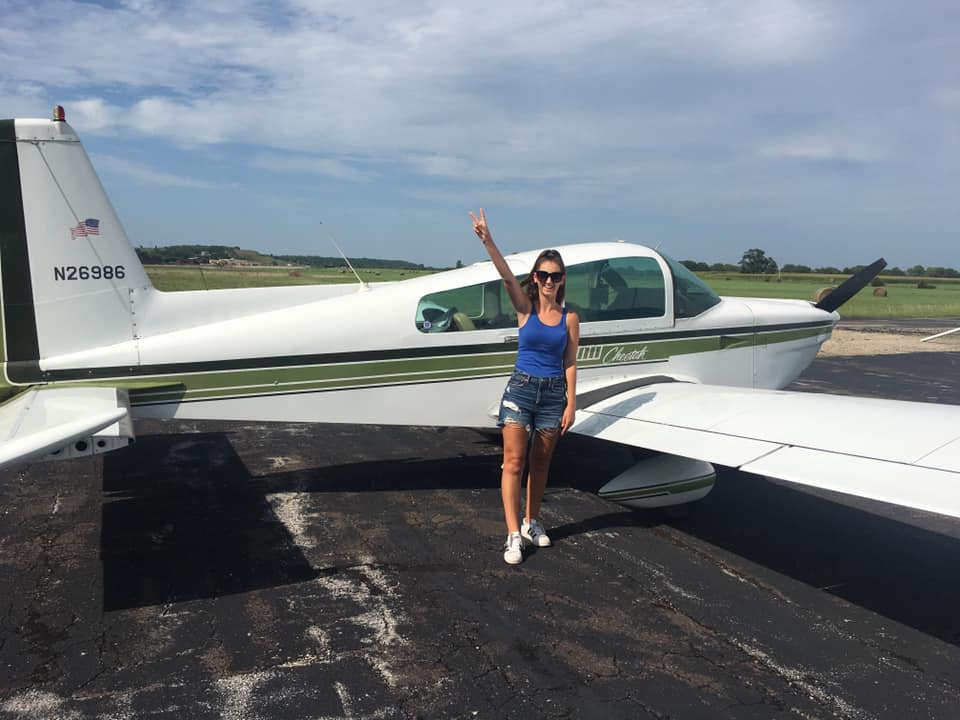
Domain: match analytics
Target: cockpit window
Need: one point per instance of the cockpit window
(616, 289)
(612, 289)
(691, 295)
(475, 307)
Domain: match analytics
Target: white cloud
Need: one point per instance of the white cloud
(392, 75)
(764, 33)
(693, 105)
(823, 148)
(183, 121)
(310, 165)
(93, 114)
(151, 176)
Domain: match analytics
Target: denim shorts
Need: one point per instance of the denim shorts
(536, 403)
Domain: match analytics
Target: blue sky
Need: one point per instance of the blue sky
(822, 132)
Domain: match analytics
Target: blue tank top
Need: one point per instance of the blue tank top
(541, 346)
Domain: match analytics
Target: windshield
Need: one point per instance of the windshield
(691, 295)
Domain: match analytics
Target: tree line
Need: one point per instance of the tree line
(363, 262)
(186, 254)
(203, 254)
(755, 261)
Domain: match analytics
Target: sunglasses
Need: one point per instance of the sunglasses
(542, 276)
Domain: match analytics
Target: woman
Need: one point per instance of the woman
(541, 394)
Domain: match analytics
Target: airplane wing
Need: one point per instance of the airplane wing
(78, 420)
(906, 453)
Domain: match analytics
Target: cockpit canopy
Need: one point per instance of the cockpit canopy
(616, 288)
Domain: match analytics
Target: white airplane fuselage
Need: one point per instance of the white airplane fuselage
(347, 354)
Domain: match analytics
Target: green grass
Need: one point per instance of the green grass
(211, 277)
(903, 299)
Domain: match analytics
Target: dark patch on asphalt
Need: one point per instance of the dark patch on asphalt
(253, 570)
(922, 377)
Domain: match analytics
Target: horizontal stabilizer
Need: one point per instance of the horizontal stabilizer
(71, 421)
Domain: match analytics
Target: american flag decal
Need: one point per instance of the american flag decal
(90, 226)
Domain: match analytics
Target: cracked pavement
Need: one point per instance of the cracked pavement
(254, 570)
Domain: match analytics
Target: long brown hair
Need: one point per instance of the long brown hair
(531, 287)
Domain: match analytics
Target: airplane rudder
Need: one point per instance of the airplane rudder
(19, 337)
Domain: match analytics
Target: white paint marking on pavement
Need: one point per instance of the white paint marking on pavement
(801, 678)
(379, 615)
(322, 656)
(39, 705)
(345, 700)
(237, 691)
(290, 508)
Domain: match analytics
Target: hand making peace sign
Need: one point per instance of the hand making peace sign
(480, 226)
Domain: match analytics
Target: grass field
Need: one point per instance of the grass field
(211, 277)
(903, 299)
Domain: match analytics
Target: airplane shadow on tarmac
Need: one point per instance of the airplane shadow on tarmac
(203, 527)
(195, 529)
(898, 569)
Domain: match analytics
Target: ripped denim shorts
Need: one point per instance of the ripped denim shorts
(536, 403)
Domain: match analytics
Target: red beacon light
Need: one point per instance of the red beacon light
(59, 114)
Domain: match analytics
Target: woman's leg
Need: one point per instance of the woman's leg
(544, 441)
(514, 454)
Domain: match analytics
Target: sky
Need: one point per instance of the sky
(825, 133)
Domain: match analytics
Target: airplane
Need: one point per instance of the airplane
(664, 364)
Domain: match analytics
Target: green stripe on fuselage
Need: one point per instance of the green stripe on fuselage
(184, 386)
(308, 379)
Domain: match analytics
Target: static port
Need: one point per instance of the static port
(80, 445)
(101, 443)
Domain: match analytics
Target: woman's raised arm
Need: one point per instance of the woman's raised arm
(521, 302)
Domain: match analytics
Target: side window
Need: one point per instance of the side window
(476, 307)
(616, 289)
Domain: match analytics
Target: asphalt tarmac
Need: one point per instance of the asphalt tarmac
(242, 571)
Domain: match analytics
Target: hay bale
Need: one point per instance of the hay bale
(820, 294)
(880, 292)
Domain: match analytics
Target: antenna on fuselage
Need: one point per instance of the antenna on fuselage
(363, 285)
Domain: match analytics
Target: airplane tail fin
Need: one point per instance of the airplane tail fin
(68, 273)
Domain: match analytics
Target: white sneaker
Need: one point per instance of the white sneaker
(513, 549)
(534, 533)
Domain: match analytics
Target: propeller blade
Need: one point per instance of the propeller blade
(851, 286)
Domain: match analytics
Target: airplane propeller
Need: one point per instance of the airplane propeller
(851, 286)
